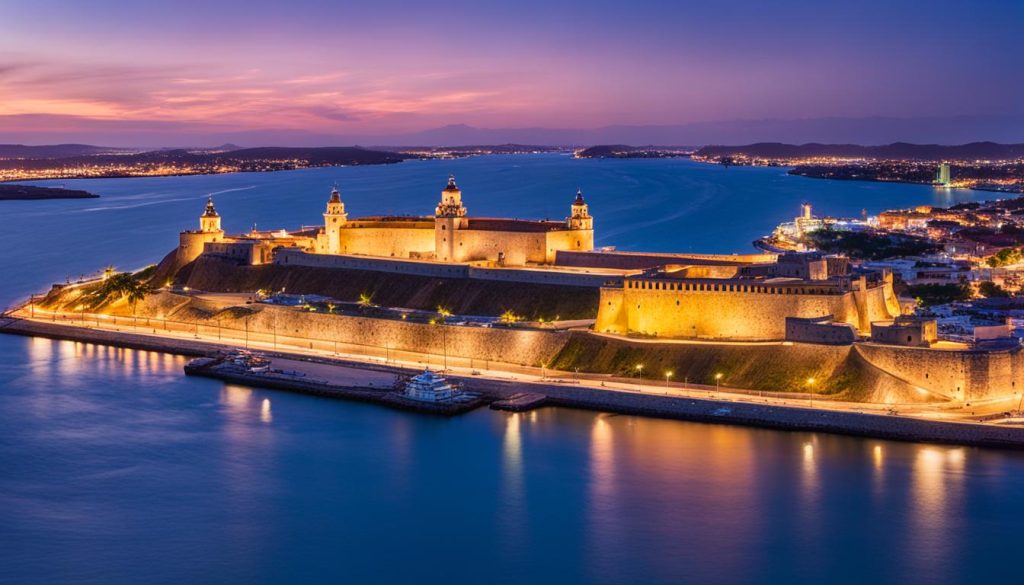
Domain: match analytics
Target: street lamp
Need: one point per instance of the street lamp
(639, 375)
(668, 375)
(718, 381)
(810, 386)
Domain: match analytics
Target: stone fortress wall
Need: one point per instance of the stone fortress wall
(956, 374)
(730, 309)
(819, 330)
(397, 240)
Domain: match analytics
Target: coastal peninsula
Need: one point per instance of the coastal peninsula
(9, 192)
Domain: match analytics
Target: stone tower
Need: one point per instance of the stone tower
(579, 217)
(449, 217)
(334, 219)
(191, 243)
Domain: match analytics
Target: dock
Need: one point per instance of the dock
(327, 380)
(520, 402)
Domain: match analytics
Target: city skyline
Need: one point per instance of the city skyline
(312, 73)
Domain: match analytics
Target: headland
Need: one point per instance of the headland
(494, 298)
(9, 192)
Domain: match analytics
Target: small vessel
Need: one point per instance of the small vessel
(431, 387)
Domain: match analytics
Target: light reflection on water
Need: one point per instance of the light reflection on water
(116, 464)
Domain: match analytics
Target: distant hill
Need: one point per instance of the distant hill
(604, 151)
(30, 192)
(624, 151)
(319, 156)
(894, 151)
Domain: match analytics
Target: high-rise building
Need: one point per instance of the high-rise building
(942, 175)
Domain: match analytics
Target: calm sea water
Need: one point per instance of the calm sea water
(115, 468)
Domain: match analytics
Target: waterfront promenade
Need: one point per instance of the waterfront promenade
(983, 424)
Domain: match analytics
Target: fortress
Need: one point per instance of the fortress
(450, 235)
(756, 297)
(767, 321)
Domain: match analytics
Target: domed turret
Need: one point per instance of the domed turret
(334, 220)
(451, 201)
(209, 221)
(579, 216)
(334, 204)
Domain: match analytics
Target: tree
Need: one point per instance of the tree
(1004, 257)
(365, 300)
(124, 285)
(989, 289)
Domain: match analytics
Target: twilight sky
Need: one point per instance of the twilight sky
(185, 71)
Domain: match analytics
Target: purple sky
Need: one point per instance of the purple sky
(150, 72)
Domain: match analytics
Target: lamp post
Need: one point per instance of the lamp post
(639, 376)
(668, 375)
(810, 387)
(718, 382)
(443, 314)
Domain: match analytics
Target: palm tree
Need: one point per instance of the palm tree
(134, 292)
(126, 286)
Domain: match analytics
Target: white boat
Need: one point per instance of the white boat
(430, 387)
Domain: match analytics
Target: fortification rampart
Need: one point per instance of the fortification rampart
(399, 240)
(967, 374)
(736, 309)
(819, 330)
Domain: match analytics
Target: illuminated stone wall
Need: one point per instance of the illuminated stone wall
(515, 346)
(518, 247)
(190, 244)
(397, 242)
(733, 314)
(957, 374)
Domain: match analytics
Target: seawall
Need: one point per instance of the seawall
(681, 408)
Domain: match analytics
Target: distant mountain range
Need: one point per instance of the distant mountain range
(1007, 129)
(894, 151)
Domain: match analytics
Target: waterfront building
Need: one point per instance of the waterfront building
(942, 176)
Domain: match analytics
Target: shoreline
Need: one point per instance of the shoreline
(745, 412)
